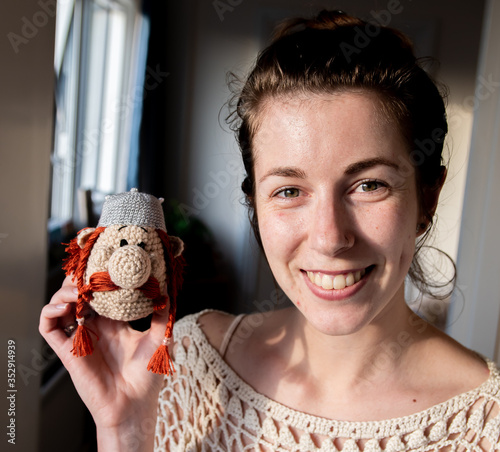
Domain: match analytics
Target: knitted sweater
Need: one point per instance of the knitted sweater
(206, 406)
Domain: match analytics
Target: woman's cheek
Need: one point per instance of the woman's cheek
(280, 231)
(396, 231)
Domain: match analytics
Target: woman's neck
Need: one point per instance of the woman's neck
(390, 368)
(376, 353)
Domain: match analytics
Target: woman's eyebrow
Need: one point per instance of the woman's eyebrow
(292, 171)
(369, 163)
(285, 171)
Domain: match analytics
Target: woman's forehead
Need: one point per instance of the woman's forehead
(322, 126)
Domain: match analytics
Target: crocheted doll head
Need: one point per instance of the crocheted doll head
(126, 268)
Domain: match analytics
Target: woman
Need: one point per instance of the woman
(339, 194)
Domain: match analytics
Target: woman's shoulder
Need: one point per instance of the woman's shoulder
(454, 366)
(212, 323)
(223, 331)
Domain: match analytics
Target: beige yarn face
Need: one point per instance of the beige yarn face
(130, 254)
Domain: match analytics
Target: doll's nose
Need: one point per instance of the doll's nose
(129, 267)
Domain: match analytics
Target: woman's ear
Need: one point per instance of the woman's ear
(430, 201)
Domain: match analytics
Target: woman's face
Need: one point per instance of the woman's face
(337, 207)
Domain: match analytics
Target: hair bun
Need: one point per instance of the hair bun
(325, 20)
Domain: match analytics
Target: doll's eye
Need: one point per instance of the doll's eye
(123, 242)
(142, 245)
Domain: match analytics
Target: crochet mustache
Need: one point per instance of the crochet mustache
(101, 282)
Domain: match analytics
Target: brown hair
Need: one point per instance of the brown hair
(335, 52)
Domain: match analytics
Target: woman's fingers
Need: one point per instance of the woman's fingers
(58, 316)
(68, 281)
(67, 294)
(49, 325)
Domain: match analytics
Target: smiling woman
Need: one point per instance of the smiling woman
(340, 199)
(350, 210)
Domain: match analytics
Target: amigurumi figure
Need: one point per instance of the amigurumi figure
(126, 268)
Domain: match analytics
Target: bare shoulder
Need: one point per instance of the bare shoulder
(214, 325)
(459, 366)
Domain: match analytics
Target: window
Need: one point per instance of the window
(100, 63)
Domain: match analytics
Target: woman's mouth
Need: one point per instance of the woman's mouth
(339, 281)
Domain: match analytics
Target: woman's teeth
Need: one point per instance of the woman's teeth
(335, 282)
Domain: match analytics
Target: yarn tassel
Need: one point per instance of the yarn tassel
(161, 363)
(82, 342)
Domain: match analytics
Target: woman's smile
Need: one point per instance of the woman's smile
(335, 281)
(336, 287)
(337, 215)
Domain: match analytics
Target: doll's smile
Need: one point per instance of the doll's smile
(329, 281)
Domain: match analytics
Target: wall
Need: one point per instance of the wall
(476, 306)
(213, 38)
(26, 109)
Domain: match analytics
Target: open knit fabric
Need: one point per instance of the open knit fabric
(206, 406)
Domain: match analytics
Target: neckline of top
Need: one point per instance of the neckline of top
(283, 412)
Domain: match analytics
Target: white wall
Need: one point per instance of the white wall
(228, 38)
(26, 109)
(476, 307)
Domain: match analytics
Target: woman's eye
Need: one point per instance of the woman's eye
(289, 193)
(370, 185)
(123, 242)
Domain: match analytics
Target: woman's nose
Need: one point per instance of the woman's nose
(331, 228)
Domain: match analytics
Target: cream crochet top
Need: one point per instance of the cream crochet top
(206, 406)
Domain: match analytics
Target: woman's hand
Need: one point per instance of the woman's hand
(113, 382)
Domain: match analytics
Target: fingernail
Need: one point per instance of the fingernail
(75, 290)
(61, 306)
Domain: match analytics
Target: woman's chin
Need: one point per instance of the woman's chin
(340, 321)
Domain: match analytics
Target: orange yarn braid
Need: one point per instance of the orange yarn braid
(161, 363)
(76, 263)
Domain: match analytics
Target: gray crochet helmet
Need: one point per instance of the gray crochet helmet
(133, 208)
